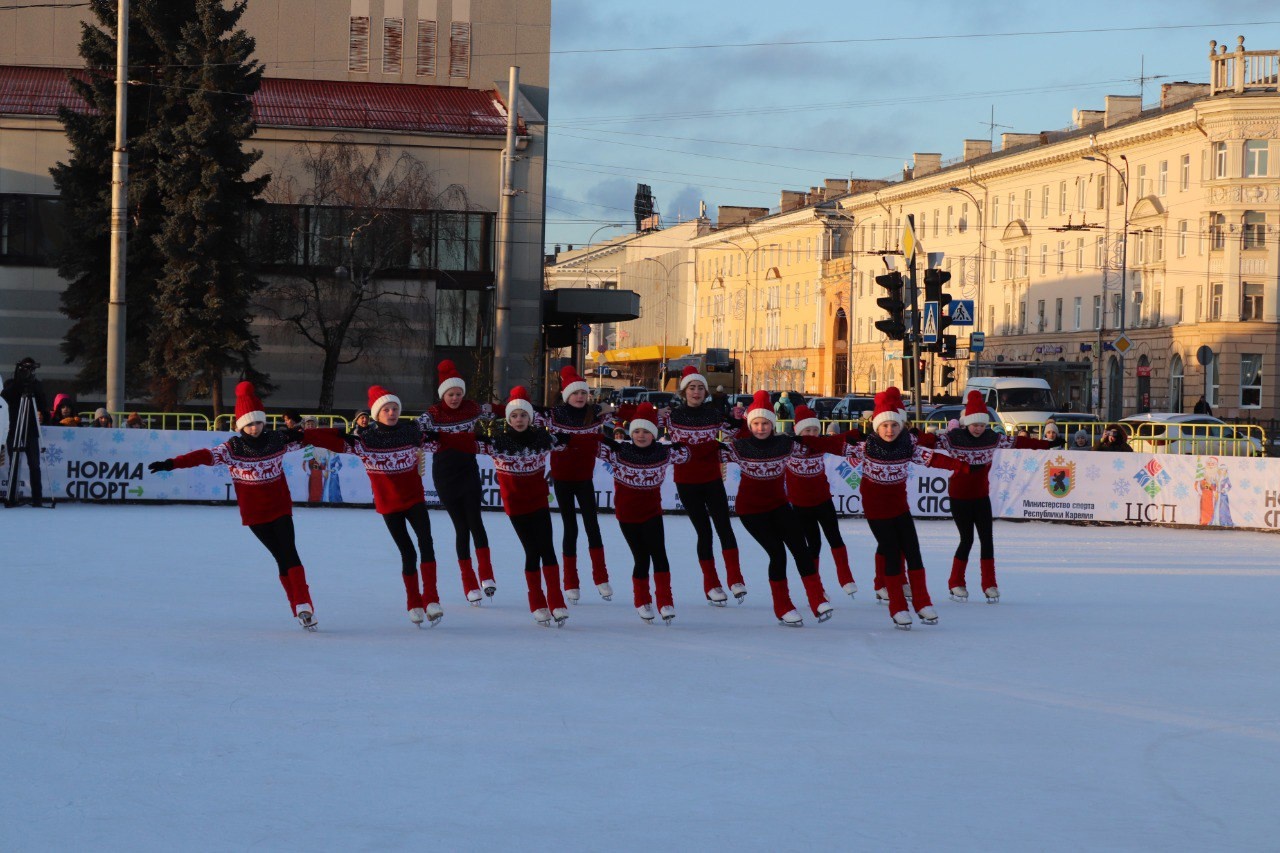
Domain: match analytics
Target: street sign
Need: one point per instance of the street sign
(961, 312)
(1121, 344)
(977, 342)
(1144, 370)
(929, 325)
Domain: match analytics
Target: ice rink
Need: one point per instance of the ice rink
(155, 694)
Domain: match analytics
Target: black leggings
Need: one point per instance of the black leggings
(648, 542)
(707, 503)
(572, 495)
(777, 532)
(895, 538)
(460, 494)
(416, 517)
(967, 515)
(277, 535)
(822, 516)
(534, 531)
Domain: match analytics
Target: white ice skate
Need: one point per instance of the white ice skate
(475, 597)
(489, 587)
(716, 597)
(738, 591)
(561, 615)
(416, 615)
(646, 612)
(434, 613)
(667, 613)
(882, 596)
(928, 615)
(902, 620)
(959, 593)
(993, 594)
(606, 591)
(824, 611)
(572, 596)
(306, 617)
(542, 616)
(850, 589)
(791, 619)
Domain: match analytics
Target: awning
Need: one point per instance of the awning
(634, 354)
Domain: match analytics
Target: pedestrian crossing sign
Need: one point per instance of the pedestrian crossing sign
(929, 325)
(961, 312)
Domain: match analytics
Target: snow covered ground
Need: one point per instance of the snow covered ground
(156, 694)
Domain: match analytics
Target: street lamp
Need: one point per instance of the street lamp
(1124, 260)
(602, 228)
(982, 250)
(666, 298)
(749, 287)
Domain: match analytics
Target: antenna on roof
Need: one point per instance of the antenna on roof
(991, 126)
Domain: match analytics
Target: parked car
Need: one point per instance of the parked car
(822, 406)
(1202, 435)
(942, 415)
(850, 407)
(659, 399)
(630, 394)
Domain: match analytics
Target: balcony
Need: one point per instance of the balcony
(1243, 70)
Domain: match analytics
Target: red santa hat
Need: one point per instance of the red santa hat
(447, 373)
(646, 417)
(519, 400)
(570, 381)
(805, 418)
(975, 409)
(761, 407)
(379, 397)
(691, 374)
(248, 406)
(889, 406)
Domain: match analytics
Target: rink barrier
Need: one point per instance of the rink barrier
(110, 466)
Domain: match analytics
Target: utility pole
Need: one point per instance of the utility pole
(915, 316)
(502, 278)
(116, 307)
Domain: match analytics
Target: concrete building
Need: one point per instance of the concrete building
(428, 77)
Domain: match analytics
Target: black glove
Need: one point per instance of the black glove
(431, 434)
(560, 439)
(294, 434)
(162, 465)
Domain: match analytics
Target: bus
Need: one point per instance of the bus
(715, 364)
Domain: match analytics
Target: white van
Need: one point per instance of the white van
(1017, 399)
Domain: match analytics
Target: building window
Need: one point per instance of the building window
(1008, 319)
(995, 210)
(1250, 380)
(1022, 317)
(425, 65)
(1079, 254)
(1157, 308)
(1182, 238)
(31, 230)
(1026, 204)
(1162, 178)
(1078, 311)
(1115, 309)
(1217, 231)
(964, 217)
(1082, 191)
(358, 45)
(1044, 201)
(1062, 256)
(1215, 380)
(936, 219)
(1184, 173)
(1199, 302)
(1044, 258)
(1024, 253)
(995, 259)
(1102, 191)
(1008, 263)
(392, 45)
(1250, 301)
(1040, 315)
(459, 318)
(1142, 181)
(1219, 159)
(1175, 384)
(1255, 229)
(1215, 302)
(1177, 306)
(950, 218)
(1157, 244)
(1255, 158)
(1057, 315)
(1062, 197)
(1097, 312)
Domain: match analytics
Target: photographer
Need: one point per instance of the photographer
(1114, 440)
(25, 399)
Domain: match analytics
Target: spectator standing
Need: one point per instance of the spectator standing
(1202, 407)
(134, 421)
(101, 419)
(64, 412)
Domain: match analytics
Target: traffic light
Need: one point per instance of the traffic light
(895, 324)
(934, 279)
(947, 349)
(909, 373)
(948, 375)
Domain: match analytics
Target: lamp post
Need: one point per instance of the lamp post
(751, 285)
(982, 251)
(666, 298)
(602, 228)
(1124, 264)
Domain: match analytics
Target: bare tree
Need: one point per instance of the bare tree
(352, 240)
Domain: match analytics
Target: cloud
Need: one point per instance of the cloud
(683, 205)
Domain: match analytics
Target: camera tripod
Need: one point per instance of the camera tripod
(18, 447)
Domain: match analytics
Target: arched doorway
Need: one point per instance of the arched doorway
(871, 379)
(840, 365)
(1176, 377)
(1144, 383)
(1115, 389)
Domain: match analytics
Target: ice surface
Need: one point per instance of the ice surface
(155, 694)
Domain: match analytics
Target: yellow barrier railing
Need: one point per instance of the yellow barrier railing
(227, 423)
(155, 420)
(1198, 439)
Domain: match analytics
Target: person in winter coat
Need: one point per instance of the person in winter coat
(761, 453)
(783, 409)
(24, 428)
(389, 449)
(134, 421)
(101, 419)
(1114, 440)
(1080, 441)
(1052, 435)
(457, 477)
(573, 471)
(639, 469)
(255, 459)
(697, 423)
(63, 413)
(360, 421)
(886, 458)
(519, 451)
(975, 443)
(809, 492)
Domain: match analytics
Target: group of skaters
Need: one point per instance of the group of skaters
(784, 498)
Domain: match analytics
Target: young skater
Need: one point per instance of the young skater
(572, 472)
(389, 449)
(457, 477)
(698, 423)
(255, 459)
(886, 457)
(639, 469)
(519, 450)
(974, 442)
(809, 492)
(761, 454)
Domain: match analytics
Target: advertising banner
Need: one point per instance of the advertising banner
(1210, 491)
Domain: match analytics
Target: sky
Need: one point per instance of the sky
(830, 89)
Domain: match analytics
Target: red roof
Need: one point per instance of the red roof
(281, 102)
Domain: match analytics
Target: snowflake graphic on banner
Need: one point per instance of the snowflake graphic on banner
(1120, 487)
(1004, 496)
(1004, 471)
(1181, 491)
(117, 437)
(1114, 505)
(1030, 464)
(1118, 465)
(90, 446)
(1093, 472)
(1246, 484)
(1248, 516)
(1152, 477)
(52, 454)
